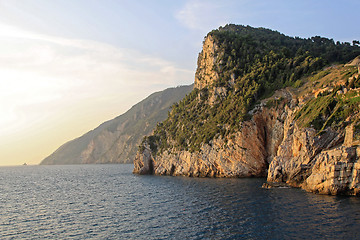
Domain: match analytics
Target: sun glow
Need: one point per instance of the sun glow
(59, 88)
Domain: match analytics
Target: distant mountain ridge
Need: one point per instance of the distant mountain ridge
(117, 140)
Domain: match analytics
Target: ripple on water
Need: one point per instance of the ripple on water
(108, 202)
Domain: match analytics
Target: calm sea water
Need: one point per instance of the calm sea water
(109, 202)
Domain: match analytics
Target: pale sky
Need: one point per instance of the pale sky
(66, 66)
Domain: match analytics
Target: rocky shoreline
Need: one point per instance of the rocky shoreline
(265, 148)
(277, 141)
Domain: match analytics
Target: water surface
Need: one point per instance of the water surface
(109, 202)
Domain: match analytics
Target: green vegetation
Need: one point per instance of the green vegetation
(274, 102)
(330, 108)
(262, 61)
(316, 111)
(357, 132)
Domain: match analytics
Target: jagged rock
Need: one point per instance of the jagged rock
(321, 163)
(297, 139)
(205, 74)
(246, 154)
(296, 153)
(145, 163)
(335, 172)
(355, 62)
(269, 185)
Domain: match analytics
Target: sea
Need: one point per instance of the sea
(109, 202)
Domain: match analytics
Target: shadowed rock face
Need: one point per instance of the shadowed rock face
(277, 141)
(117, 140)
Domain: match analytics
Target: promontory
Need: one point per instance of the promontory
(265, 105)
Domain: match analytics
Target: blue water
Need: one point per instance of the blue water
(109, 202)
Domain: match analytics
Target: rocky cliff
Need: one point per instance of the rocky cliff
(247, 153)
(117, 140)
(323, 158)
(230, 127)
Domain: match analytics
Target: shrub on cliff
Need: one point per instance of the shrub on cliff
(251, 64)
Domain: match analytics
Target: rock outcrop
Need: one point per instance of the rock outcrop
(247, 153)
(321, 163)
(295, 137)
(207, 63)
(355, 62)
(270, 145)
(335, 171)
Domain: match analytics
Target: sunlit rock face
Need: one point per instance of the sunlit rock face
(289, 138)
(245, 154)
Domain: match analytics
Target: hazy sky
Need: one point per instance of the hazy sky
(68, 65)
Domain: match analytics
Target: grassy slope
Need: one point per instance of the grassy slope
(337, 101)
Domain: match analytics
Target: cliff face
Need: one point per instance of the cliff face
(226, 128)
(117, 140)
(246, 153)
(322, 163)
(207, 61)
(272, 145)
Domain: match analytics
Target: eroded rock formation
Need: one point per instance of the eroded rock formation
(296, 137)
(246, 153)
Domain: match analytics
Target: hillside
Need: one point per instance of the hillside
(264, 104)
(117, 140)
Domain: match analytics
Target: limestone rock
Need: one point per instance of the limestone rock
(270, 185)
(246, 154)
(320, 163)
(295, 138)
(205, 74)
(335, 172)
(296, 153)
(145, 162)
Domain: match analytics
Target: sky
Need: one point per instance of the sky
(66, 66)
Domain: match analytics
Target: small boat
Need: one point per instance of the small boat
(24, 164)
